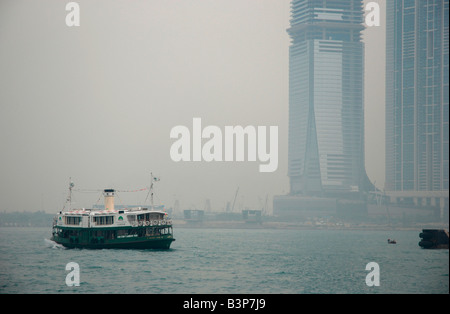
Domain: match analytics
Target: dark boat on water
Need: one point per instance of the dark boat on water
(434, 239)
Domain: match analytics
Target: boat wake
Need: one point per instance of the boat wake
(53, 245)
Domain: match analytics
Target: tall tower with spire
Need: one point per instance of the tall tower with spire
(326, 98)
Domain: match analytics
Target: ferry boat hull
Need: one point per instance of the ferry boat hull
(143, 244)
(85, 239)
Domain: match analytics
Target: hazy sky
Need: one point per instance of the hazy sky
(97, 102)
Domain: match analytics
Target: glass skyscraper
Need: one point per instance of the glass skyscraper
(326, 98)
(417, 132)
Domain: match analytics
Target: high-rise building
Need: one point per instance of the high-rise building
(417, 113)
(326, 98)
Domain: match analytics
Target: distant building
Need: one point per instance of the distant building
(326, 105)
(194, 215)
(417, 103)
(252, 215)
(326, 97)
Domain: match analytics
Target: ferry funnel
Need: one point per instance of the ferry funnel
(109, 199)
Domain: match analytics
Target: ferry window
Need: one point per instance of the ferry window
(154, 216)
(122, 232)
(132, 231)
(70, 220)
(98, 233)
(109, 234)
(73, 233)
(131, 218)
(104, 220)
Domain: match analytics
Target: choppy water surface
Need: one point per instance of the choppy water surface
(228, 261)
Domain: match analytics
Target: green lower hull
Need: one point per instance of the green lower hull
(138, 243)
(89, 239)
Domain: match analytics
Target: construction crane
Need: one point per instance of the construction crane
(235, 196)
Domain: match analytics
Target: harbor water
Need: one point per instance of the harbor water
(228, 261)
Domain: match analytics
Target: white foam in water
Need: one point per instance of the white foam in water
(53, 244)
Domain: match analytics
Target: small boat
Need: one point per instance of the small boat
(392, 241)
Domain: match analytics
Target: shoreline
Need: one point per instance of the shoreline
(302, 226)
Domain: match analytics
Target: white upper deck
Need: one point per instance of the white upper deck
(111, 217)
(131, 217)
